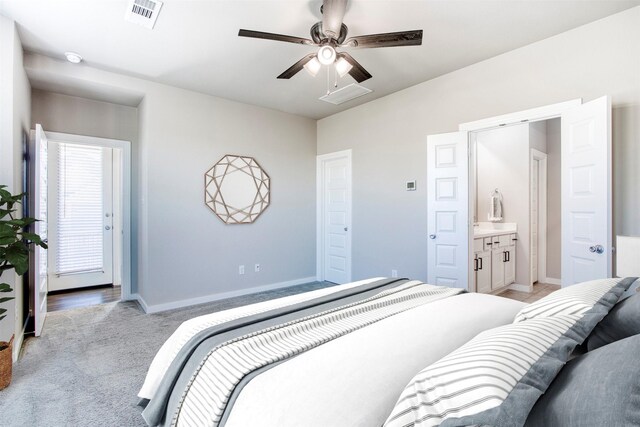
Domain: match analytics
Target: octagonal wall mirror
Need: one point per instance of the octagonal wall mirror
(237, 189)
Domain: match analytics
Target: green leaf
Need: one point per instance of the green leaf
(5, 299)
(4, 194)
(2, 317)
(33, 237)
(3, 310)
(7, 240)
(4, 287)
(21, 222)
(19, 260)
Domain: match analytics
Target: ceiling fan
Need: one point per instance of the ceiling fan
(331, 33)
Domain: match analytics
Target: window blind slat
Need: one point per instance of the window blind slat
(80, 209)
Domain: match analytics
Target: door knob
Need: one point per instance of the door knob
(432, 236)
(598, 249)
(106, 227)
(346, 229)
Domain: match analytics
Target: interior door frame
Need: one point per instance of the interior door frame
(320, 229)
(536, 155)
(125, 146)
(545, 112)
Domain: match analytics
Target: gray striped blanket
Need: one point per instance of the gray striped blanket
(203, 383)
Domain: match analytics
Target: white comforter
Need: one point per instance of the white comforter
(356, 379)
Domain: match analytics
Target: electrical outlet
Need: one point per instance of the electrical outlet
(241, 269)
(257, 268)
(394, 273)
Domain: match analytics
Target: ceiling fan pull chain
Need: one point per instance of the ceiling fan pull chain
(335, 76)
(328, 81)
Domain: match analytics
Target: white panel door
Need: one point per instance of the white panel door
(40, 286)
(586, 192)
(335, 216)
(448, 210)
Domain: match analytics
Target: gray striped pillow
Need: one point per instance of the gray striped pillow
(479, 377)
(576, 299)
(497, 377)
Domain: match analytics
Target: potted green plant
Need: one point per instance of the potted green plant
(14, 255)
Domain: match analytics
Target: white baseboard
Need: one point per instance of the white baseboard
(156, 308)
(521, 288)
(552, 281)
(17, 343)
(141, 301)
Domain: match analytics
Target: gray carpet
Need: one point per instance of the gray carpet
(87, 367)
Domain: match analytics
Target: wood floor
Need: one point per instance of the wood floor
(64, 300)
(540, 290)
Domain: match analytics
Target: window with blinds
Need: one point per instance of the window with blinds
(80, 209)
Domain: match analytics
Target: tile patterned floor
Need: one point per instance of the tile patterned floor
(540, 290)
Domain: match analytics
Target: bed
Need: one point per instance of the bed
(339, 356)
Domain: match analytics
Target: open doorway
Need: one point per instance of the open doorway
(585, 188)
(85, 224)
(84, 202)
(513, 247)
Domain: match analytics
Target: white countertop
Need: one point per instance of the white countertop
(488, 229)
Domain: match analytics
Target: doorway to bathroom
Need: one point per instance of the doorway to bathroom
(516, 207)
(585, 232)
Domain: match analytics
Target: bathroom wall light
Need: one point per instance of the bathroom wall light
(73, 57)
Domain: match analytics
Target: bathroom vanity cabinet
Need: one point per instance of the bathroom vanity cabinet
(494, 261)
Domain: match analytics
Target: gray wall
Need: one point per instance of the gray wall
(388, 135)
(538, 136)
(503, 163)
(554, 205)
(81, 116)
(15, 98)
(186, 251)
(181, 249)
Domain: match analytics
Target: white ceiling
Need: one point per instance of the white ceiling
(195, 44)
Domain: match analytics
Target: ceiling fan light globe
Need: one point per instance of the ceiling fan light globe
(343, 67)
(313, 67)
(326, 55)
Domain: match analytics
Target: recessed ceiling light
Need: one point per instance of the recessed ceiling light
(73, 57)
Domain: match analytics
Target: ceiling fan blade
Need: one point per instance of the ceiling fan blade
(357, 71)
(332, 16)
(401, 38)
(277, 37)
(295, 68)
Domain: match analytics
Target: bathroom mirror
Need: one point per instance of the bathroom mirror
(237, 189)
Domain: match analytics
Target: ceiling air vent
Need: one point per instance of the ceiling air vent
(345, 94)
(143, 12)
